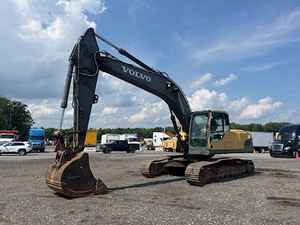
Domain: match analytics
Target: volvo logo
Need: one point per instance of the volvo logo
(136, 74)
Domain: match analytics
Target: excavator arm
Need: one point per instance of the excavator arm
(87, 60)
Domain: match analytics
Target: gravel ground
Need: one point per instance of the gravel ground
(271, 196)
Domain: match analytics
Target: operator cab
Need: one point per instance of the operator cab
(210, 134)
(205, 127)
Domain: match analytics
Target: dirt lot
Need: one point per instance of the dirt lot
(271, 196)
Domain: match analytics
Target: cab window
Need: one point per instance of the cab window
(219, 123)
(199, 130)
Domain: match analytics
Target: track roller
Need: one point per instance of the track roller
(201, 173)
(155, 168)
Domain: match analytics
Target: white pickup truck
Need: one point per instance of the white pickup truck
(15, 147)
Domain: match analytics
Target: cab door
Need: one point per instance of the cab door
(198, 137)
(219, 138)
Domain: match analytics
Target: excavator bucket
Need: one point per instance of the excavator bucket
(71, 176)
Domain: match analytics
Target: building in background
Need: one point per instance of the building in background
(8, 135)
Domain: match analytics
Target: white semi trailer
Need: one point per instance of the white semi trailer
(108, 138)
(131, 138)
(262, 141)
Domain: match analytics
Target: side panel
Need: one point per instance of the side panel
(233, 141)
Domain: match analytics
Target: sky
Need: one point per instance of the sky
(238, 56)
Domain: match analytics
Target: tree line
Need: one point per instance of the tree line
(147, 132)
(14, 115)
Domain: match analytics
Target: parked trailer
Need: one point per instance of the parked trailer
(8, 135)
(262, 141)
(108, 138)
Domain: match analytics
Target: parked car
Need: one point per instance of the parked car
(3, 142)
(118, 145)
(15, 147)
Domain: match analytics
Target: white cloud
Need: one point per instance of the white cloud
(37, 41)
(34, 61)
(110, 110)
(226, 80)
(48, 113)
(240, 110)
(280, 32)
(263, 67)
(206, 99)
(264, 105)
(151, 113)
(202, 80)
(238, 105)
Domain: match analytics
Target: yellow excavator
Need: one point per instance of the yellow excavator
(200, 134)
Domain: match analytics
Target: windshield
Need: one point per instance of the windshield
(36, 138)
(199, 130)
(287, 134)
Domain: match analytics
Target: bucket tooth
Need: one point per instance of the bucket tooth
(74, 178)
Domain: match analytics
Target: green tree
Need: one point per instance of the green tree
(49, 133)
(14, 115)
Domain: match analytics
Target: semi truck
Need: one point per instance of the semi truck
(287, 142)
(158, 138)
(37, 139)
